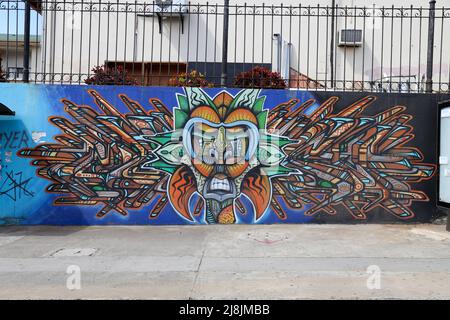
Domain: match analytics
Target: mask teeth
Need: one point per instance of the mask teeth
(218, 184)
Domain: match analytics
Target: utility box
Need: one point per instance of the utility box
(444, 158)
(350, 38)
(444, 154)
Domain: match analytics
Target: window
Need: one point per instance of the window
(150, 73)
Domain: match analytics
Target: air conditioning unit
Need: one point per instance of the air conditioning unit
(170, 7)
(350, 38)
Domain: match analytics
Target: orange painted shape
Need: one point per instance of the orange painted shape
(241, 114)
(257, 187)
(207, 113)
(181, 187)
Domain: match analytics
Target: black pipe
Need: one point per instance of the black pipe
(430, 52)
(226, 16)
(333, 4)
(26, 43)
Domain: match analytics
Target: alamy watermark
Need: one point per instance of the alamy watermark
(73, 281)
(374, 280)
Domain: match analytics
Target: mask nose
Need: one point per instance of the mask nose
(220, 145)
(219, 169)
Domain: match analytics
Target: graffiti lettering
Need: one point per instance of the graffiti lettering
(228, 150)
(14, 139)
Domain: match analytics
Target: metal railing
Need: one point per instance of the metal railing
(381, 49)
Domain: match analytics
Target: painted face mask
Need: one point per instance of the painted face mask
(220, 153)
(223, 146)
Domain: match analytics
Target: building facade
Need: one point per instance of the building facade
(351, 45)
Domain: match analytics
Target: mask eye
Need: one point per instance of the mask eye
(238, 139)
(209, 155)
(236, 150)
(201, 138)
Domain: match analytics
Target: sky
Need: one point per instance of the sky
(14, 18)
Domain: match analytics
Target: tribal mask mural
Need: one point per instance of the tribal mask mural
(214, 154)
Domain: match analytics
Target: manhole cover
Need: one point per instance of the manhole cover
(75, 252)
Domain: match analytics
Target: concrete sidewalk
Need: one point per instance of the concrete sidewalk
(226, 262)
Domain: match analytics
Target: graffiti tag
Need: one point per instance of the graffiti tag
(15, 187)
(14, 139)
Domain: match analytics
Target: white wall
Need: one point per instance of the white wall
(72, 42)
(12, 58)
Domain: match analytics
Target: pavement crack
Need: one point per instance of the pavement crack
(194, 283)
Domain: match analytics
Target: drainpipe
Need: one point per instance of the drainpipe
(333, 5)
(26, 43)
(53, 44)
(288, 64)
(226, 16)
(277, 37)
(429, 81)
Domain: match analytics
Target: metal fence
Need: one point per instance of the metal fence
(388, 49)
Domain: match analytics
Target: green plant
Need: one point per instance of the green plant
(259, 77)
(191, 79)
(103, 75)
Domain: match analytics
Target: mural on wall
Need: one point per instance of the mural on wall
(225, 156)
